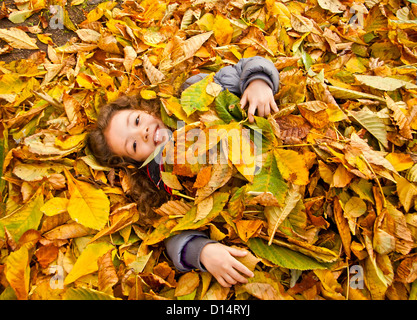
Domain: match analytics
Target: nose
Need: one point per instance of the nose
(144, 132)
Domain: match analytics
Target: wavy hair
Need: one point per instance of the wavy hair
(142, 190)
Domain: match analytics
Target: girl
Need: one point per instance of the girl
(126, 134)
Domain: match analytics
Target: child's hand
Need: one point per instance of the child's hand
(260, 97)
(219, 261)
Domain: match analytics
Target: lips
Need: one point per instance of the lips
(157, 136)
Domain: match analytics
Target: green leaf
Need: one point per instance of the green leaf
(195, 96)
(187, 222)
(227, 106)
(25, 218)
(269, 180)
(154, 154)
(371, 122)
(86, 294)
(343, 93)
(284, 257)
(20, 16)
(384, 83)
(276, 215)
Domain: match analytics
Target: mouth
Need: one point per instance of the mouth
(157, 136)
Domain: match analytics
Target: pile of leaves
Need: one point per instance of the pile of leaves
(327, 209)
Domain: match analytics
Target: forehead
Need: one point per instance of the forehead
(118, 121)
(117, 131)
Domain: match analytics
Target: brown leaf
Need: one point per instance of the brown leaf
(68, 231)
(119, 219)
(154, 75)
(107, 275)
(46, 255)
(293, 128)
(342, 226)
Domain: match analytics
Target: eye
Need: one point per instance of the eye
(137, 120)
(134, 146)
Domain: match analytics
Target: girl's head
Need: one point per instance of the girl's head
(124, 136)
(126, 132)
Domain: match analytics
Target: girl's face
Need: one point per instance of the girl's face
(135, 134)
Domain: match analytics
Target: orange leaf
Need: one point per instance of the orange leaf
(187, 284)
(247, 228)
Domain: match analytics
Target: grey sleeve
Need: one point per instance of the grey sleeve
(184, 249)
(236, 78)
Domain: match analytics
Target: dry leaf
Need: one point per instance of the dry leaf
(18, 39)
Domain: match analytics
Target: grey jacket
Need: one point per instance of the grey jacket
(184, 249)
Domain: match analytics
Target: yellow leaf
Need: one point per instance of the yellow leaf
(301, 24)
(342, 177)
(148, 94)
(171, 180)
(280, 11)
(400, 161)
(223, 30)
(55, 206)
(203, 208)
(173, 107)
(45, 39)
(88, 35)
(330, 288)
(130, 56)
(407, 192)
(119, 219)
(332, 5)
(206, 22)
(87, 261)
(18, 272)
(88, 206)
(292, 166)
(71, 141)
(240, 151)
(18, 39)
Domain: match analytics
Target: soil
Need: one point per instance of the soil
(77, 14)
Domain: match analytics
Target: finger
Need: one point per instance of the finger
(229, 280)
(261, 111)
(237, 276)
(222, 282)
(242, 269)
(237, 252)
(274, 105)
(267, 110)
(243, 100)
(251, 112)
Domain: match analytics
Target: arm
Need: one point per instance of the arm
(184, 249)
(194, 250)
(238, 77)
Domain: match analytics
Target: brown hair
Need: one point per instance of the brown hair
(142, 190)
